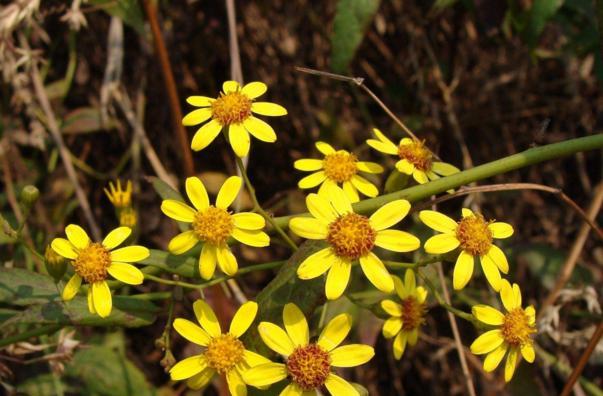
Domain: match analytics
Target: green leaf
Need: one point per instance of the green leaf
(102, 371)
(39, 385)
(182, 265)
(128, 11)
(351, 21)
(21, 287)
(541, 12)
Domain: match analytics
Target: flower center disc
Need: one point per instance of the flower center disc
(231, 108)
(340, 166)
(309, 366)
(92, 263)
(213, 225)
(417, 154)
(224, 352)
(474, 235)
(412, 313)
(516, 328)
(351, 236)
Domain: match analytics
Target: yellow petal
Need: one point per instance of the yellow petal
(316, 264)
(308, 164)
(487, 314)
(339, 200)
(492, 273)
(296, 325)
(91, 308)
(389, 214)
(410, 282)
(507, 296)
(438, 221)
(71, 288)
(196, 117)
(235, 383)
(369, 167)
(276, 338)
(230, 86)
(77, 236)
(376, 272)
(207, 318)
(494, 358)
(517, 295)
(254, 89)
(444, 169)
(178, 210)
(183, 242)
(205, 135)
(228, 192)
(308, 227)
(337, 386)
(528, 353)
(260, 129)
(405, 167)
(351, 355)
(391, 327)
(196, 192)
(226, 260)
(126, 273)
(393, 148)
(421, 294)
(130, 254)
(312, 180)
(400, 344)
(337, 278)
(248, 221)
(64, 248)
(401, 290)
(391, 307)
(397, 241)
(191, 332)
(268, 109)
(202, 379)
(511, 363)
(251, 238)
(320, 208)
(335, 331)
(325, 148)
(207, 261)
(498, 258)
(239, 139)
(265, 374)
(463, 269)
(243, 318)
(350, 191)
(500, 230)
(101, 295)
(487, 342)
(420, 176)
(466, 212)
(200, 101)
(188, 367)
(413, 336)
(253, 359)
(531, 312)
(364, 186)
(295, 390)
(441, 243)
(116, 237)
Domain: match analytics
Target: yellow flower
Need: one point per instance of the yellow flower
(128, 217)
(474, 235)
(223, 353)
(120, 198)
(415, 159)
(93, 261)
(338, 167)
(350, 237)
(512, 333)
(407, 316)
(214, 225)
(308, 365)
(233, 109)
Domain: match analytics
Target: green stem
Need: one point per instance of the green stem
(490, 169)
(48, 329)
(259, 208)
(418, 264)
(444, 304)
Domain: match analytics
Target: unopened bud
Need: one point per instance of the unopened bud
(128, 217)
(29, 195)
(56, 265)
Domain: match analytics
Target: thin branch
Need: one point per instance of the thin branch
(594, 340)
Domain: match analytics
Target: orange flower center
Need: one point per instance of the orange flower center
(92, 263)
(417, 154)
(231, 108)
(412, 313)
(213, 225)
(340, 166)
(474, 235)
(224, 352)
(351, 236)
(516, 328)
(309, 366)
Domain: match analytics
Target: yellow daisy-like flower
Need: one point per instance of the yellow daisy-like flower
(407, 316)
(341, 168)
(233, 108)
(93, 262)
(415, 159)
(512, 333)
(350, 237)
(474, 235)
(223, 353)
(119, 197)
(308, 365)
(214, 225)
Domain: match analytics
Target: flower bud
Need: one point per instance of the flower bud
(29, 195)
(56, 265)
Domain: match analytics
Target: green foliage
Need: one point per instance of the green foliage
(128, 11)
(351, 21)
(186, 266)
(542, 11)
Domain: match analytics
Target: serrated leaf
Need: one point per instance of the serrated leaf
(351, 20)
(127, 10)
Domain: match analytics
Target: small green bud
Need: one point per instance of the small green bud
(29, 195)
(56, 265)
